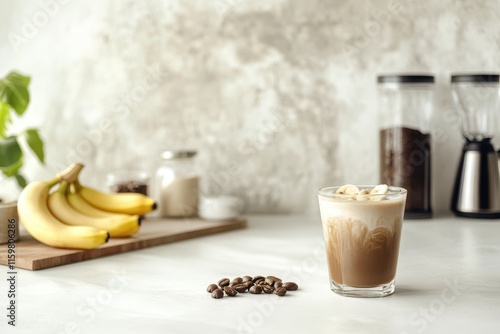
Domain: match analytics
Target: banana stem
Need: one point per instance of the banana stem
(71, 173)
(77, 186)
(53, 181)
(63, 187)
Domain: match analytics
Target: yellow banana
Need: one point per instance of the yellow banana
(116, 225)
(79, 204)
(129, 203)
(43, 226)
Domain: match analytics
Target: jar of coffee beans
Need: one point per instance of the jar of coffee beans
(128, 181)
(405, 110)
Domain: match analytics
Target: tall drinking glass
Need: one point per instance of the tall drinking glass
(362, 234)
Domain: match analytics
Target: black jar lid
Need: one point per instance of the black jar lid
(405, 78)
(173, 154)
(475, 78)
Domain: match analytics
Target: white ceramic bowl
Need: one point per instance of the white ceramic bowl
(220, 207)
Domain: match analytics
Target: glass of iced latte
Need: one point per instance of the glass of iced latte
(362, 230)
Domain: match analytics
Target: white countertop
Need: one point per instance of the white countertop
(448, 281)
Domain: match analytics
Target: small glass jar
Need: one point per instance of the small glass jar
(405, 110)
(128, 181)
(177, 183)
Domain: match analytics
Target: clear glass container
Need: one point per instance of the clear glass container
(477, 99)
(128, 181)
(177, 184)
(362, 235)
(405, 111)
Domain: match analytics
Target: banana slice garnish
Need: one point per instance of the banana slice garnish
(348, 189)
(381, 189)
(363, 194)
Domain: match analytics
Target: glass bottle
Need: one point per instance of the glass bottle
(177, 183)
(405, 110)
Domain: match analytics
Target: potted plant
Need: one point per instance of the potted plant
(14, 100)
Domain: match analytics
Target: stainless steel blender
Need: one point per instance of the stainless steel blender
(477, 184)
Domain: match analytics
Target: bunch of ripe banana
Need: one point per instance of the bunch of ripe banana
(76, 216)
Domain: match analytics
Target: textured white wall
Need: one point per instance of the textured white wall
(285, 90)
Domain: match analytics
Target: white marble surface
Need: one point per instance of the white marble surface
(448, 281)
(285, 89)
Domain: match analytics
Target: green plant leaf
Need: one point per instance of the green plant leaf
(13, 169)
(4, 118)
(21, 181)
(10, 152)
(14, 91)
(35, 143)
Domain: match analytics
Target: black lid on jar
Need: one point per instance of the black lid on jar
(478, 78)
(410, 78)
(171, 154)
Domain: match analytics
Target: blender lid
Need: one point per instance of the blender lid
(404, 78)
(485, 78)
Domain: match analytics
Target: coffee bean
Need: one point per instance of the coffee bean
(274, 281)
(256, 289)
(269, 280)
(274, 278)
(254, 285)
(237, 280)
(290, 286)
(240, 287)
(230, 291)
(224, 282)
(256, 278)
(280, 291)
(217, 293)
(212, 287)
(267, 289)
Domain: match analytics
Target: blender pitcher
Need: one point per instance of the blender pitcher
(477, 185)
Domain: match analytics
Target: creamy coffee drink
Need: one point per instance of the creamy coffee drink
(362, 230)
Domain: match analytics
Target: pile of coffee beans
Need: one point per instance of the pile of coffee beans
(254, 285)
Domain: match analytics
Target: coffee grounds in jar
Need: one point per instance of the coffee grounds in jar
(405, 161)
(130, 187)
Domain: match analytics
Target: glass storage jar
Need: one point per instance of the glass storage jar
(177, 183)
(405, 110)
(128, 181)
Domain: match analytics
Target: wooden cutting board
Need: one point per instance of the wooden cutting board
(33, 255)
